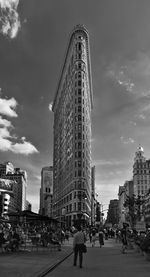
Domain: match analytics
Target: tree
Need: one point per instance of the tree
(134, 205)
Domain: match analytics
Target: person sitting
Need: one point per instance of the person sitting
(52, 239)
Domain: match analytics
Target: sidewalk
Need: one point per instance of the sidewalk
(32, 263)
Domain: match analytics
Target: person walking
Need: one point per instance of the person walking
(101, 238)
(124, 239)
(93, 237)
(78, 244)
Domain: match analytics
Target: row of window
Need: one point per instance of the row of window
(76, 207)
(142, 181)
(143, 172)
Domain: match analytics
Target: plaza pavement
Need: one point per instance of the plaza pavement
(33, 263)
(39, 263)
(107, 261)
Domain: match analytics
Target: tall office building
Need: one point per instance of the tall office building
(46, 191)
(93, 197)
(72, 132)
(18, 178)
(141, 173)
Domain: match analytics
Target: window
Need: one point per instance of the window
(79, 117)
(79, 46)
(79, 65)
(79, 108)
(79, 83)
(79, 163)
(79, 91)
(79, 206)
(79, 145)
(79, 154)
(79, 100)
(79, 135)
(79, 56)
(79, 74)
(79, 173)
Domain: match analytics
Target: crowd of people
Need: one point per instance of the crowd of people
(127, 237)
(12, 237)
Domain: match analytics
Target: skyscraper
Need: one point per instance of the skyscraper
(141, 173)
(46, 191)
(72, 132)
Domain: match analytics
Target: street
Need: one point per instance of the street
(107, 261)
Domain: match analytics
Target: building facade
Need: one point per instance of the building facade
(93, 197)
(141, 180)
(72, 132)
(113, 214)
(141, 173)
(46, 191)
(18, 180)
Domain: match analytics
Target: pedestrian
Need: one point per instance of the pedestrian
(78, 244)
(124, 239)
(101, 238)
(93, 237)
(90, 235)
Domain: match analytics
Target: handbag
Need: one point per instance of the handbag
(84, 248)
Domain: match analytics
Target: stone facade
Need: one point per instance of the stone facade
(72, 132)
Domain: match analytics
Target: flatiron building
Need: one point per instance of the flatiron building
(72, 107)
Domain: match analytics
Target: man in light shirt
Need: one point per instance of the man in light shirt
(78, 243)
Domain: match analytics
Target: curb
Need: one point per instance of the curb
(52, 267)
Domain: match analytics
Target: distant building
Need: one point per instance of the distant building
(141, 173)
(46, 191)
(113, 215)
(93, 198)
(72, 107)
(18, 178)
(121, 201)
(28, 206)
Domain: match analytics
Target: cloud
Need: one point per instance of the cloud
(8, 141)
(133, 123)
(9, 18)
(7, 107)
(23, 147)
(127, 141)
(132, 75)
(5, 123)
(50, 106)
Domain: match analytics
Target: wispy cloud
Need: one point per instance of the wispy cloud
(7, 107)
(127, 140)
(133, 75)
(50, 106)
(9, 18)
(24, 147)
(8, 141)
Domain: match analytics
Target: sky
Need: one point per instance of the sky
(33, 39)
